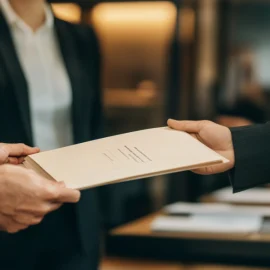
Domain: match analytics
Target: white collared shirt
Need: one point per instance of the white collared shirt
(48, 82)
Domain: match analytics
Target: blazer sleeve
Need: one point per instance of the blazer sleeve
(252, 157)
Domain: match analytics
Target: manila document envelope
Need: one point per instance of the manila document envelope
(125, 157)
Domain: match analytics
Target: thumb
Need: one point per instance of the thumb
(64, 194)
(187, 126)
(67, 195)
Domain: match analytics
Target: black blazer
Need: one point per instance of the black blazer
(68, 238)
(252, 156)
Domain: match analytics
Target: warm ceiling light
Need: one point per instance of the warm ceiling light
(67, 12)
(139, 12)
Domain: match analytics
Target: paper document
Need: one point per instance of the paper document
(124, 157)
(208, 224)
(218, 209)
(252, 196)
(196, 208)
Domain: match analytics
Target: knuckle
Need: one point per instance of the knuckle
(56, 194)
(206, 122)
(52, 192)
(202, 124)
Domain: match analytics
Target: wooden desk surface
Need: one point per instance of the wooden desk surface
(126, 264)
(142, 228)
(235, 249)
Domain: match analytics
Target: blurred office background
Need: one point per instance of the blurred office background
(184, 59)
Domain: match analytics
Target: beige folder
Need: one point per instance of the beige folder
(123, 157)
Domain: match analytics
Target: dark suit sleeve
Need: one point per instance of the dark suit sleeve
(252, 157)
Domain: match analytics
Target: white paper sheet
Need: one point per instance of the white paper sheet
(252, 196)
(215, 208)
(196, 208)
(208, 224)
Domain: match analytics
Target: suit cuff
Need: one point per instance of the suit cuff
(252, 150)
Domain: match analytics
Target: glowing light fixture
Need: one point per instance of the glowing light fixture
(67, 12)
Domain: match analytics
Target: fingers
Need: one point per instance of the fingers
(41, 209)
(54, 206)
(34, 198)
(9, 152)
(187, 126)
(20, 149)
(34, 215)
(69, 196)
(212, 169)
(9, 225)
(57, 192)
(14, 160)
(27, 219)
(15, 227)
(61, 194)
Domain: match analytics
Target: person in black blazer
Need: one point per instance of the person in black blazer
(67, 239)
(247, 149)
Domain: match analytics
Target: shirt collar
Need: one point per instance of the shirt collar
(13, 19)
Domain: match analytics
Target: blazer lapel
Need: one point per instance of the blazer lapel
(11, 61)
(74, 69)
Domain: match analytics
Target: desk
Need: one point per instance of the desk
(124, 264)
(128, 264)
(135, 240)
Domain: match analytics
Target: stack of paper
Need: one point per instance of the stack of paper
(196, 208)
(251, 196)
(208, 224)
(210, 218)
(181, 208)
